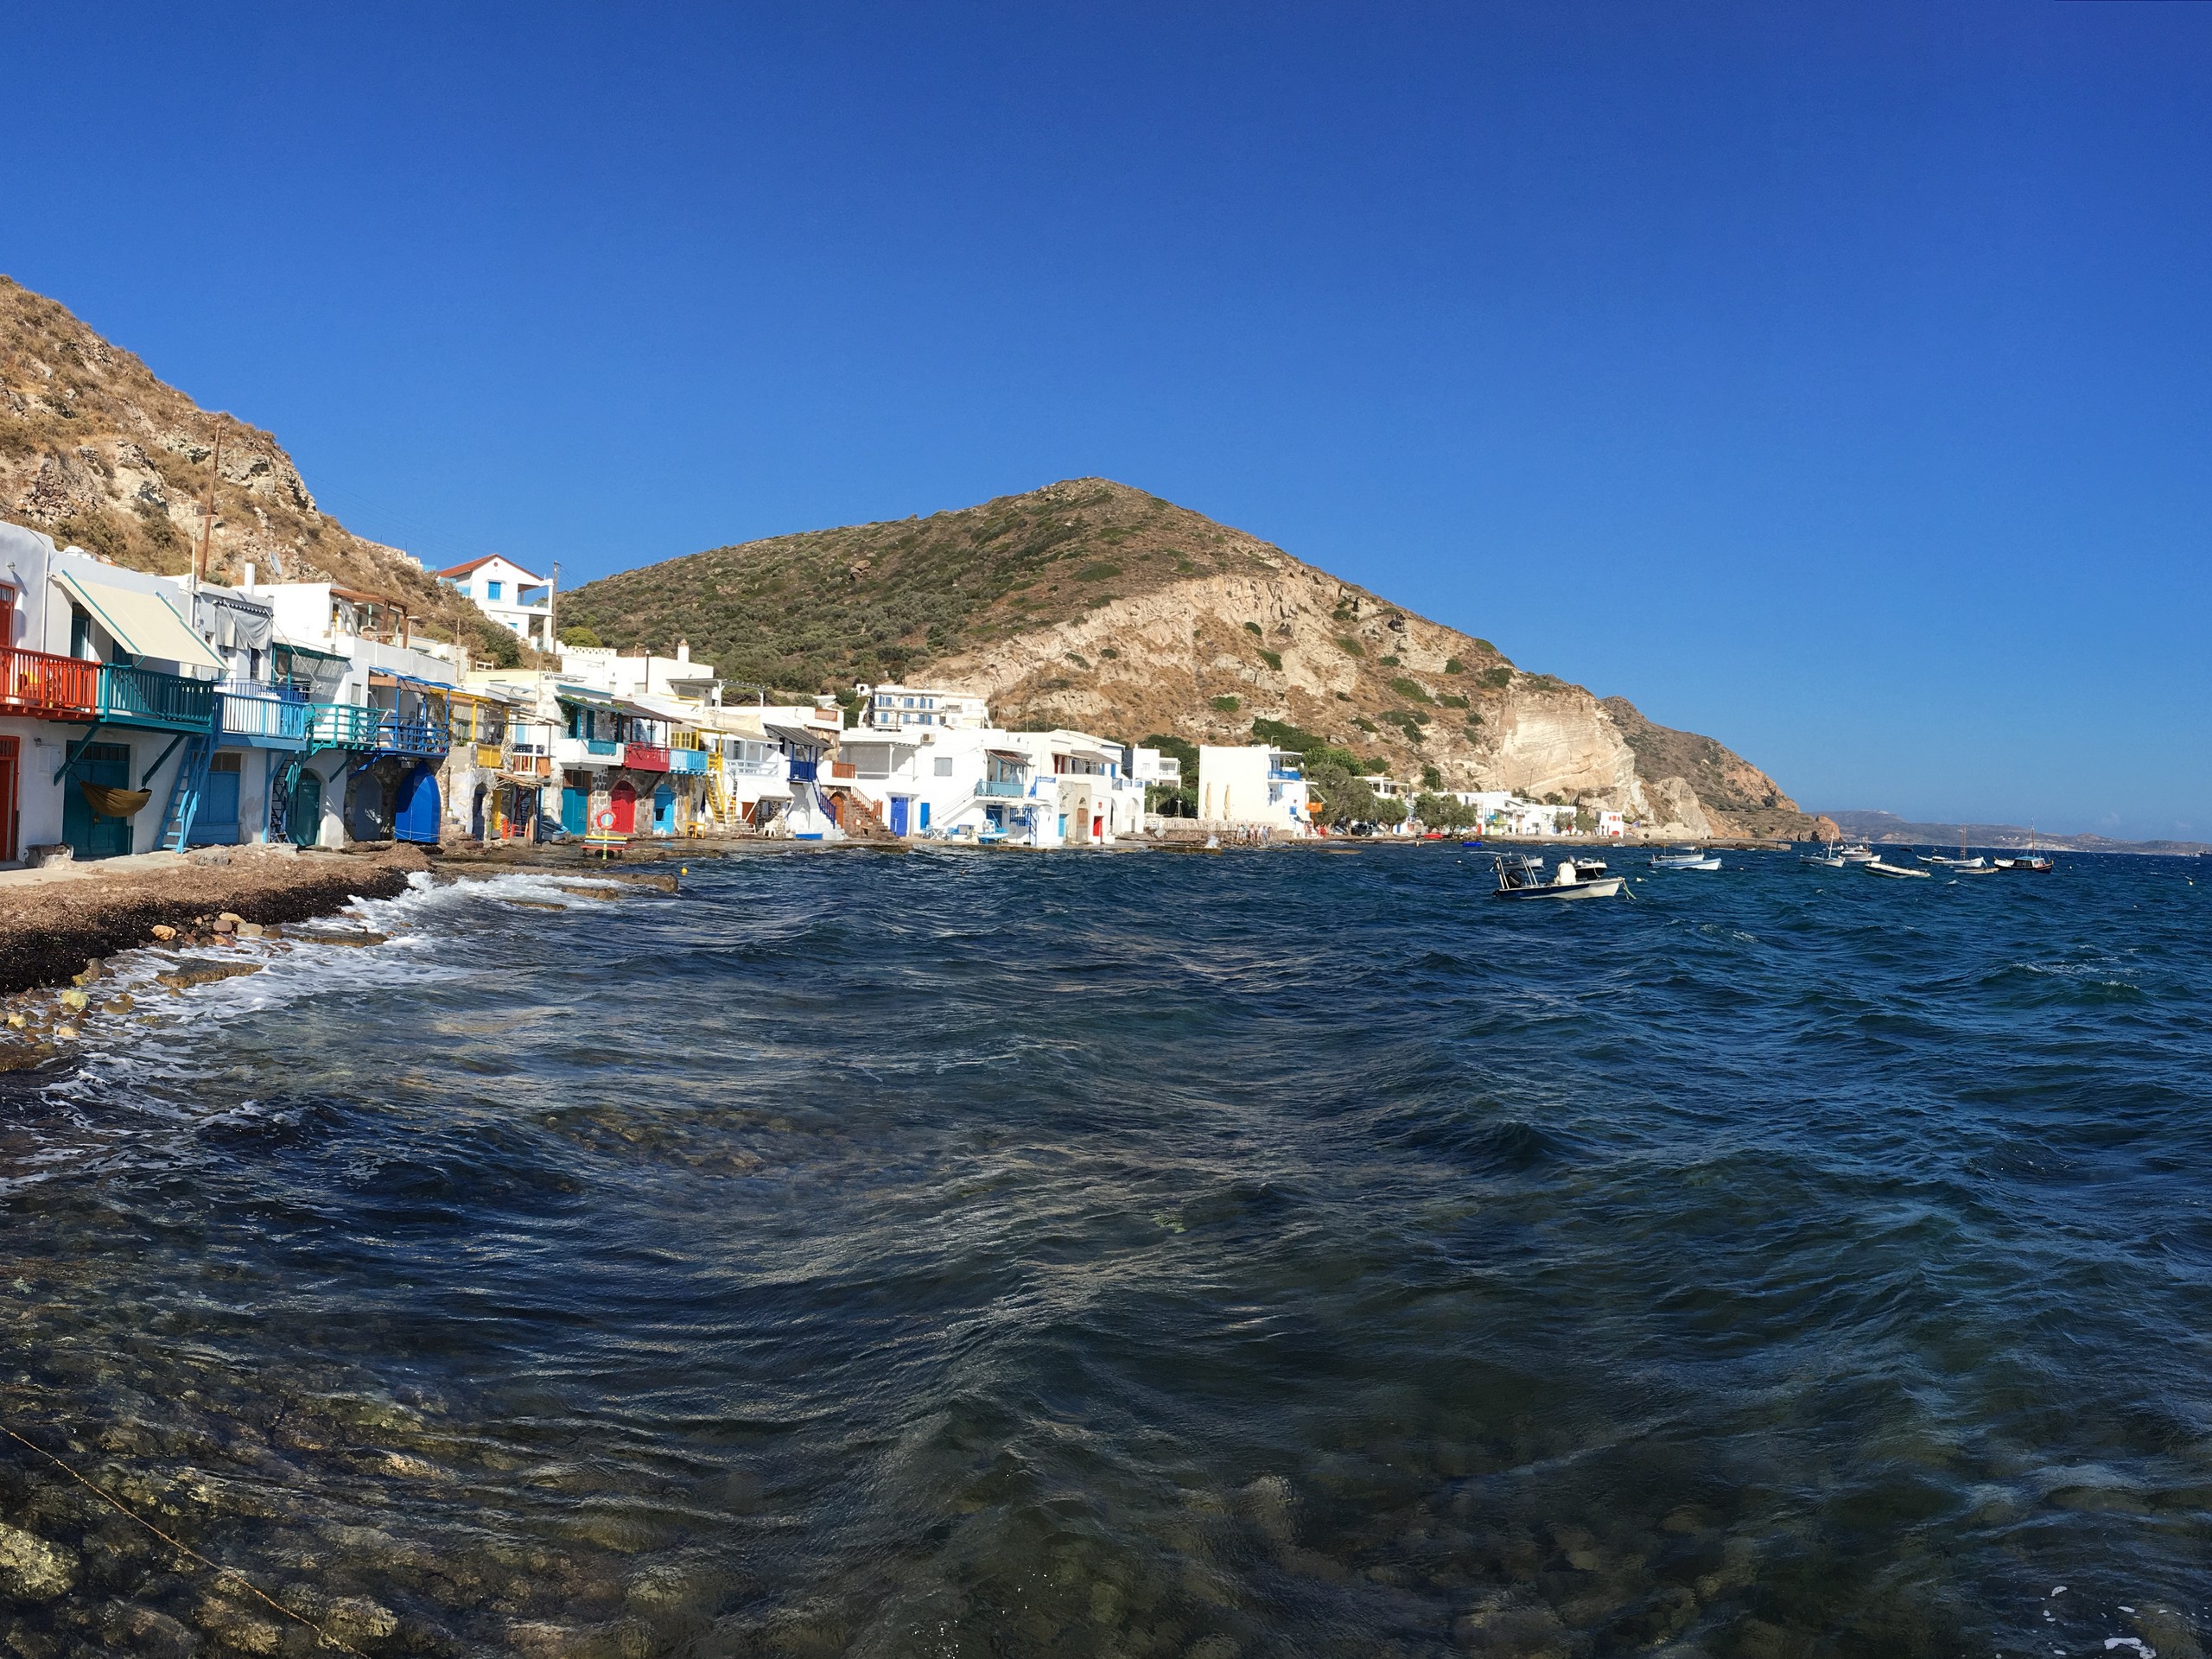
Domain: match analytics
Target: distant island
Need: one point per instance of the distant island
(1889, 828)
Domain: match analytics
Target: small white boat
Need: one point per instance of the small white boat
(1875, 866)
(1520, 876)
(1855, 852)
(1685, 858)
(1823, 857)
(1962, 862)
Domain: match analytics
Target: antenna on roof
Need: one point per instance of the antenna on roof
(207, 515)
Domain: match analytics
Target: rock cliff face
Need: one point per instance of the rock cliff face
(95, 450)
(1095, 605)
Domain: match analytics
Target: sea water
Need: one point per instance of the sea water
(1268, 1254)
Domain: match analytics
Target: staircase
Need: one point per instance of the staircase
(186, 791)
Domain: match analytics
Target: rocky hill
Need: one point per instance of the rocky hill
(1888, 828)
(1092, 605)
(95, 450)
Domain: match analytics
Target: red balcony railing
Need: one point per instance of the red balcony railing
(644, 757)
(48, 687)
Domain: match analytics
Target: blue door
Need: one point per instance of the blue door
(416, 818)
(216, 823)
(663, 810)
(898, 815)
(575, 809)
(93, 834)
(925, 818)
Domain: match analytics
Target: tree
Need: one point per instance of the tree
(1345, 796)
(582, 638)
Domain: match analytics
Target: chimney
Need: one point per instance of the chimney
(683, 650)
(249, 575)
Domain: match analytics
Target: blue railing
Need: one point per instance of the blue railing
(1284, 774)
(264, 717)
(1003, 788)
(686, 760)
(803, 771)
(146, 696)
(601, 746)
(397, 736)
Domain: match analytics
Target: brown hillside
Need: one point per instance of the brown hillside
(1093, 605)
(95, 450)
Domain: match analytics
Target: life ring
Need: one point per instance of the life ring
(605, 817)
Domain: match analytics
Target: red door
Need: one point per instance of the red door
(1098, 829)
(7, 798)
(623, 799)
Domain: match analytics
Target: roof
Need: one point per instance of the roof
(463, 570)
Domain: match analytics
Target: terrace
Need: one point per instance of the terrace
(259, 718)
(154, 701)
(44, 686)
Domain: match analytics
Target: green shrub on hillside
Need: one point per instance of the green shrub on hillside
(1495, 678)
(1391, 661)
(1273, 659)
(1454, 665)
(1450, 701)
(1228, 705)
(1411, 691)
(582, 638)
(1351, 647)
(1253, 628)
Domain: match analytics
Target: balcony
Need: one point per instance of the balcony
(839, 769)
(805, 771)
(489, 756)
(427, 738)
(584, 752)
(644, 757)
(341, 726)
(752, 768)
(261, 719)
(1004, 789)
(162, 702)
(48, 687)
(527, 763)
(1284, 774)
(686, 760)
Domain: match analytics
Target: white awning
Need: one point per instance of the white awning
(145, 625)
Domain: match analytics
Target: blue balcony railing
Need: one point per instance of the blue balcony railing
(422, 737)
(602, 746)
(803, 771)
(148, 697)
(1284, 774)
(1000, 788)
(686, 760)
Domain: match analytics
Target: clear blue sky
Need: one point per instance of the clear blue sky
(1831, 379)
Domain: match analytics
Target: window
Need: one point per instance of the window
(494, 589)
(80, 630)
(945, 765)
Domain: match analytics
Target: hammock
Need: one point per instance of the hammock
(114, 802)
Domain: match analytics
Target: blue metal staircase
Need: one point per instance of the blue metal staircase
(186, 791)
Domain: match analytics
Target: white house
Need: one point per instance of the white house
(647, 675)
(517, 599)
(105, 690)
(899, 706)
(1253, 787)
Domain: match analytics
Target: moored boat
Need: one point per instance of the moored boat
(1876, 867)
(1855, 852)
(1685, 858)
(1824, 856)
(1520, 876)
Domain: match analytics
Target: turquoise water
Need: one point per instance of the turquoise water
(1270, 1254)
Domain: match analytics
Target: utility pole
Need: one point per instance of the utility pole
(552, 598)
(207, 512)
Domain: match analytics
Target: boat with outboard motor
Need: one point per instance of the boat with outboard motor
(1857, 852)
(1685, 858)
(1824, 856)
(1520, 876)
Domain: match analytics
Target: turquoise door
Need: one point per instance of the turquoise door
(216, 823)
(575, 811)
(304, 813)
(663, 810)
(89, 834)
(925, 818)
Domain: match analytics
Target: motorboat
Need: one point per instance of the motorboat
(1875, 866)
(1520, 876)
(1856, 852)
(1824, 856)
(1685, 858)
(1962, 862)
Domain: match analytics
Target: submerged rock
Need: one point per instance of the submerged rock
(202, 973)
(31, 1568)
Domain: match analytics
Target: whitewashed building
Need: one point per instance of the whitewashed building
(900, 706)
(1254, 787)
(519, 601)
